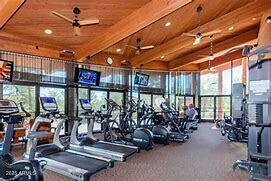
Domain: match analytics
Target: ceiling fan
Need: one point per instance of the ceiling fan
(76, 23)
(138, 46)
(200, 35)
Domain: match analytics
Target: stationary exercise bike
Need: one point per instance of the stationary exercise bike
(9, 168)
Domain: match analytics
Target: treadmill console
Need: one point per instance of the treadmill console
(48, 104)
(85, 104)
(8, 107)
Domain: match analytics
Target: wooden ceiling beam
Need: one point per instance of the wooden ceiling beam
(156, 65)
(26, 48)
(248, 37)
(241, 17)
(139, 19)
(13, 43)
(15, 38)
(8, 8)
(190, 67)
(221, 60)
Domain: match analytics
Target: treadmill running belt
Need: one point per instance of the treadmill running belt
(120, 149)
(91, 164)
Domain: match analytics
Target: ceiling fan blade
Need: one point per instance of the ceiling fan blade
(197, 41)
(147, 47)
(77, 31)
(130, 46)
(189, 34)
(211, 33)
(62, 16)
(89, 22)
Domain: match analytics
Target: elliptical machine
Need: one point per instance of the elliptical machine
(9, 168)
(170, 121)
(113, 132)
(152, 120)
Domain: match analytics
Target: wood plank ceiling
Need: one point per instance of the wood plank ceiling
(35, 16)
(244, 16)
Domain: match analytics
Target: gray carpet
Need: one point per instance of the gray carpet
(207, 156)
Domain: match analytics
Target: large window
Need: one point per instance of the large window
(118, 98)
(59, 95)
(180, 102)
(146, 98)
(184, 84)
(208, 84)
(97, 99)
(173, 100)
(223, 106)
(82, 94)
(237, 74)
(226, 82)
(24, 94)
(157, 100)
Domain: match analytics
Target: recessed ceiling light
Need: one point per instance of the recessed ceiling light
(254, 19)
(118, 50)
(231, 28)
(168, 24)
(162, 57)
(268, 20)
(48, 31)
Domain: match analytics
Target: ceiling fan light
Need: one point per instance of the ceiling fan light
(197, 41)
(231, 28)
(168, 24)
(211, 57)
(48, 31)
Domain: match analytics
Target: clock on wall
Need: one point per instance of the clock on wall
(109, 60)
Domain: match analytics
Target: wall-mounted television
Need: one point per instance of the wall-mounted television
(6, 71)
(141, 79)
(87, 76)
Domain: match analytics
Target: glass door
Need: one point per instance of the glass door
(215, 107)
(207, 107)
(185, 101)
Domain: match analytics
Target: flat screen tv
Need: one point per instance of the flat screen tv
(141, 79)
(87, 76)
(6, 71)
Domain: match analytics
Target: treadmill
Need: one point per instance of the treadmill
(92, 145)
(58, 159)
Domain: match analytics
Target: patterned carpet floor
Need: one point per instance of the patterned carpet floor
(207, 156)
